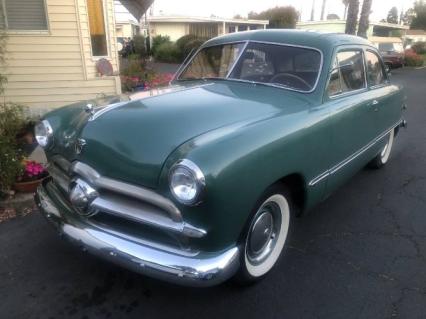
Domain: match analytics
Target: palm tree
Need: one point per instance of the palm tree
(345, 3)
(351, 20)
(363, 20)
(322, 9)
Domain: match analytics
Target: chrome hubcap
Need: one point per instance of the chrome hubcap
(262, 235)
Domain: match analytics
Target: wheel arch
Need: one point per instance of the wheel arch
(297, 186)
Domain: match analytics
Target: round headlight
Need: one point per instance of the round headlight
(43, 133)
(186, 182)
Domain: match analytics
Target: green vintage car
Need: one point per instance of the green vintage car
(202, 182)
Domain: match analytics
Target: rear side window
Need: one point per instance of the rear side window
(348, 73)
(375, 71)
(351, 68)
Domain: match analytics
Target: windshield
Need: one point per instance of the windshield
(287, 66)
(213, 62)
(395, 47)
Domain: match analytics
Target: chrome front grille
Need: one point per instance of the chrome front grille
(122, 200)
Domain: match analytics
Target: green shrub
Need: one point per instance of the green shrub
(12, 121)
(157, 41)
(139, 46)
(187, 43)
(167, 52)
(419, 47)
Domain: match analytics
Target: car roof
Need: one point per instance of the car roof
(319, 40)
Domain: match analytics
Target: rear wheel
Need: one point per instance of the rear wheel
(382, 158)
(267, 234)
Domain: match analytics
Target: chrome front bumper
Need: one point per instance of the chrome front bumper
(200, 269)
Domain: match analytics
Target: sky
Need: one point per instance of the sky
(229, 8)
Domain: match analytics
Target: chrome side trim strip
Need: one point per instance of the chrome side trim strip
(127, 189)
(349, 159)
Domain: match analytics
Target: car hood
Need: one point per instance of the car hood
(131, 141)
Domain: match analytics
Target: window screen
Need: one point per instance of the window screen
(95, 10)
(375, 72)
(24, 15)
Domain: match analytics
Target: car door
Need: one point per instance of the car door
(385, 99)
(352, 120)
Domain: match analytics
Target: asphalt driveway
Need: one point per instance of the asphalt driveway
(360, 254)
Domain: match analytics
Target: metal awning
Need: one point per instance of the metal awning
(137, 7)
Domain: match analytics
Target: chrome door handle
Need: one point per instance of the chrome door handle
(375, 102)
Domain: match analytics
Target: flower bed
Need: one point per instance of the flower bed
(413, 59)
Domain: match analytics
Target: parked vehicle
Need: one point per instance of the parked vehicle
(204, 181)
(391, 49)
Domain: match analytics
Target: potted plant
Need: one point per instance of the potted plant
(16, 144)
(33, 174)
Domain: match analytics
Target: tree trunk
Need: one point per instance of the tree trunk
(322, 9)
(312, 10)
(363, 20)
(352, 19)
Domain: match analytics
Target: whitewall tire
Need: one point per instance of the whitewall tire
(382, 158)
(266, 235)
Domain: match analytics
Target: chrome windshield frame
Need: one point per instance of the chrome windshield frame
(246, 43)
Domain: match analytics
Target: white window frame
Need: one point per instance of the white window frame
(25, 32)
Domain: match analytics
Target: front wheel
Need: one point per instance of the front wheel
(382, 158)
(266, 236)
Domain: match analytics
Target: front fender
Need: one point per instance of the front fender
(240, 163)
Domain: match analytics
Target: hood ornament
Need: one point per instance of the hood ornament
(79, 145)
(89, 108)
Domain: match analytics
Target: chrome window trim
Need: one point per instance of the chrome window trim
(348, 93)
(386, 78)
(350, 158)
(178, 74)
(343, 94)
(231, 69)
(247, 42)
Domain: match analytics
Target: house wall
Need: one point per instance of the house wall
(124, 30)
(339, 27)
(416, 38)
(174, 30)
(53, 68)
